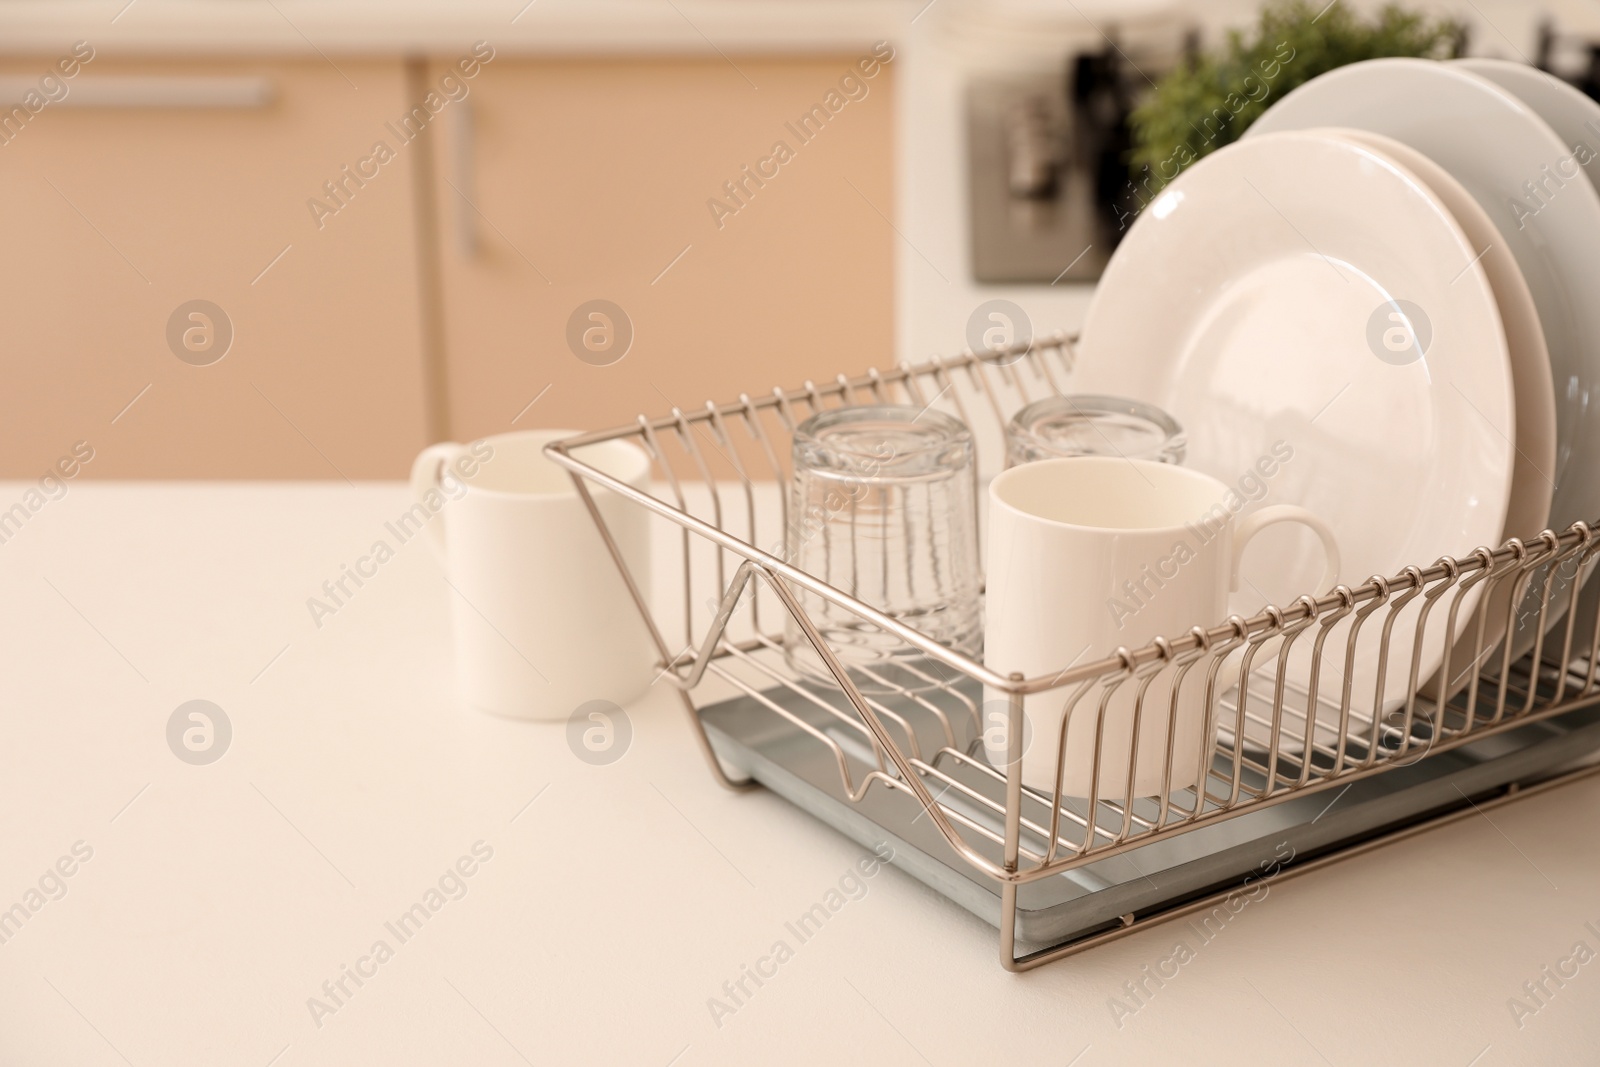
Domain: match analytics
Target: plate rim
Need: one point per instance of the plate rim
(1534, 360)
(1581, 359)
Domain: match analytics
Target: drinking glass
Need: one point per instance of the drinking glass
(883, 507)
(1093, 426)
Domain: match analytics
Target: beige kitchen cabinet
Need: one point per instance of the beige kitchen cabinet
(153, 184)
(561, 182)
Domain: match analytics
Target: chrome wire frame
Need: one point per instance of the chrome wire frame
(1304, 725)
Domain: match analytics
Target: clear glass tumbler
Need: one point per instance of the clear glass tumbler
(883, 507)
(1093, 426)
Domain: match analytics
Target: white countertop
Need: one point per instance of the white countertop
(618, 899)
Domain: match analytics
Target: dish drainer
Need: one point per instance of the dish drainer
(906, 759)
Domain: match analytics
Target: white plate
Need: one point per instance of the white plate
(1570, 113)
(1576, 120)
(1241, 301)
(1529, 508)
(1493, 144)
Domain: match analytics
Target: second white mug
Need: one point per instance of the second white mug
(1090, 554)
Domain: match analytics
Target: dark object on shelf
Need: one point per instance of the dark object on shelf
(1586, 78)
(1047, 162)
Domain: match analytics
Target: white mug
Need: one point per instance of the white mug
(543, 621)
(1089, 554)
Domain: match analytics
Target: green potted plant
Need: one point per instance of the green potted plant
(1211, 101)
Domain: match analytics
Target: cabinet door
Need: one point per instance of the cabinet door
(152, 185)
(565, 182)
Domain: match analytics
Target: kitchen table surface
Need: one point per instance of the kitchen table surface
(536, 908)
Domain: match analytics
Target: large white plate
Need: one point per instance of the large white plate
(1495, 145)
(1576, 120)
(1571, 114)
(1529, 508)
(1242, 301)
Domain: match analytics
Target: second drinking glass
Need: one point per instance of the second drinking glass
(1084, 425)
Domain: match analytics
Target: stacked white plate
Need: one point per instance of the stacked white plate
(1385, 280)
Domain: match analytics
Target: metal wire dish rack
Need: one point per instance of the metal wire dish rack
(1281, 727)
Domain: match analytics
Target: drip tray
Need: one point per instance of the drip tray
(1151, 878)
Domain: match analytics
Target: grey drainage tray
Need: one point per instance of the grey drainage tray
(1152, 878)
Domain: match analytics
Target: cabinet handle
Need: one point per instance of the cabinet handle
(117, 91)
(461, 154)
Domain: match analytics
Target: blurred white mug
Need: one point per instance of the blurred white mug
(543, 621)
(1089, 554)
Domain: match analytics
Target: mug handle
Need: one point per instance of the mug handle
(425, 471)
(1257, 521)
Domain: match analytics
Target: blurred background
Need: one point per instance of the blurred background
(276, 239)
